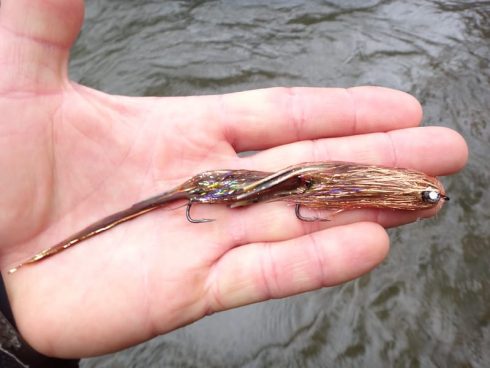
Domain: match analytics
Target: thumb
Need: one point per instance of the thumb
(36, 38)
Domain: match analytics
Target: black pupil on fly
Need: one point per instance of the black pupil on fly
(430, 196)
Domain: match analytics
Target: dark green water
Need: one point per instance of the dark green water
(428, 304)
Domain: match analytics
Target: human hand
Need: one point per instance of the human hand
(72, 155)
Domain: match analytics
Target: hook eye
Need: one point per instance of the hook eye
(431, 196)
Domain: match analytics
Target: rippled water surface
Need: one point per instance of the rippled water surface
(428, 304)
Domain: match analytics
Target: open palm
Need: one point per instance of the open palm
(72, 155)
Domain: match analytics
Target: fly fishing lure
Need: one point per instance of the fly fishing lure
(335, 186)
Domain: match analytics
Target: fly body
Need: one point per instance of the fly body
(331, 185)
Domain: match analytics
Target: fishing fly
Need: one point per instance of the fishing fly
(336, 186)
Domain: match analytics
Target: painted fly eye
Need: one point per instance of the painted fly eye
(431, 195)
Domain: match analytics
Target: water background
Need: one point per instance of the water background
(428, 304)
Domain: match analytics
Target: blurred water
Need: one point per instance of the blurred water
(428, 305)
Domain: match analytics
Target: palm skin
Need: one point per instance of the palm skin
(72, 155)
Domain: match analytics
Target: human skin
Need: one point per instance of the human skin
(71, 155)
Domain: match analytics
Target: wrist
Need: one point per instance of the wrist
(14, 351)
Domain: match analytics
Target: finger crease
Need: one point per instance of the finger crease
(296, 113)
(319, 258)
(394, 155)
(228, 130)
(214, 291)
(355, 118)
(266, 260)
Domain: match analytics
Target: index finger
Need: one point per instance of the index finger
(265, 118)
